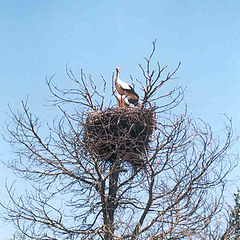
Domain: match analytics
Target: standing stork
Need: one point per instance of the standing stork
(125, 89)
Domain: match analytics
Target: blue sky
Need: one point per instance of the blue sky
(38, 38)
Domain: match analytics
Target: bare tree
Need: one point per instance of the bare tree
(109, 173)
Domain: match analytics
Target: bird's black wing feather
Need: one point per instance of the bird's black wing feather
(131, 91)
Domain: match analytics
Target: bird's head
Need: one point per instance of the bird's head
(117, 69)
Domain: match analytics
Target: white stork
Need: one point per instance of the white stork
(125, 89)
(122, 100)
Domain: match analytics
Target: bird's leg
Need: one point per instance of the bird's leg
(121, 102)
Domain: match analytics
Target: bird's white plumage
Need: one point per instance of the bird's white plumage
(123, 85)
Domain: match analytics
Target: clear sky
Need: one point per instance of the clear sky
(38, 38)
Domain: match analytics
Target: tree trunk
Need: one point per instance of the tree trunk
(111, 201)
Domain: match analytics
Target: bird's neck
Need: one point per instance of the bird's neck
(117, 77)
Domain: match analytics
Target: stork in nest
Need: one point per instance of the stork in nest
(125, 92)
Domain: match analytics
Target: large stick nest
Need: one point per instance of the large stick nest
(118, 134)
